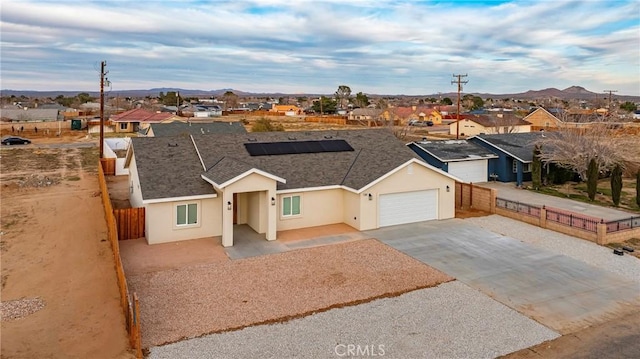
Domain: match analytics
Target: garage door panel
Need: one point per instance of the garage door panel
(469, 171)
(408, 207)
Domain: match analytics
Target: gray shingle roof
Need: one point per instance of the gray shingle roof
(455, 150)
(168, 167)
(519, 145)
(171, 171)
(195, 128)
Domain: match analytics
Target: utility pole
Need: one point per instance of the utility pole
(103, 75)
(459, 82)
(609, 104)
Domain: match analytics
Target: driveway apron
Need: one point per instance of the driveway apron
(560, 292)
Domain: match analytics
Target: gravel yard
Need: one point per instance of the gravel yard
(576, 248)
(448, 321)
(184, 303)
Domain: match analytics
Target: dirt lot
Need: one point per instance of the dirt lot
(57, 266)
(199, 299)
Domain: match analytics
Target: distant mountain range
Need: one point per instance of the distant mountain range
(570, 93)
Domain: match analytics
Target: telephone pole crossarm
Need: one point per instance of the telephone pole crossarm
(459, 82)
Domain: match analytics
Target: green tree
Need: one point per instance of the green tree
(361, 100)
(592, 179)
(65, 101)
(536, 169)
(265, 125)
(170, 99)
(476, 103)
(446, 101)
(628, 106)
(616, 184)
(342, 95)
(325, 105)
(84, 97)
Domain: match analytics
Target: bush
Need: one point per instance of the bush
(265, 125)
(536, 170)
(616, 185)
(592, 179)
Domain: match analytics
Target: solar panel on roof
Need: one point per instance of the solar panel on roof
(297, 147)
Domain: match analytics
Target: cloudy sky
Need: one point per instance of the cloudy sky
(301, 46)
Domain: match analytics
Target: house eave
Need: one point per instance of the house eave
(179, 199)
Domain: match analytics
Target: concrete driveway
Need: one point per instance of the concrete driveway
(511, 192)
(560, 292)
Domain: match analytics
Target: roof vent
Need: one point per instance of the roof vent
(328, 136)
(173, 144)
(291, 138)
(253, 139)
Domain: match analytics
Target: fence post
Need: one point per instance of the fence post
(601, 232)
(492, 200)
(543, 217)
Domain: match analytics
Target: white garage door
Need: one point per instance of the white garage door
(408, 207)
(469, 171)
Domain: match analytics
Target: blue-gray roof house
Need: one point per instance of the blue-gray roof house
(461, 158)
(515, 154)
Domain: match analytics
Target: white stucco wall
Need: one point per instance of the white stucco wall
(161, 221)
(413, 177)
(318, 208)
(135, 195)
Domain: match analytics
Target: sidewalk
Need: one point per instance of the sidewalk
(511, 192)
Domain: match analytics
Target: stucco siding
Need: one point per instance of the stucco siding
(351, 208)
(161, 221)
(412, 177)
(135, 195)
(318, 208)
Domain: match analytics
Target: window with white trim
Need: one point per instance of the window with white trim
(291, 206)
(187, 214)
(123, 125)
(526, 167)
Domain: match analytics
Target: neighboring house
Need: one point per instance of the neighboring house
(200, 111)
(636, 115)
(366, 114)
(192, 128)
(30, 115)
(201, 186)
(541, 118)
(405, 114)
(473, 125)
(463, 159)
(136, 119)
(287, 110)
(515, 154)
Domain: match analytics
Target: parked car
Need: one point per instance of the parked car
(15, 140)
(420, 123)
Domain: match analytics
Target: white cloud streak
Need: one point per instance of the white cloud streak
(314, 46)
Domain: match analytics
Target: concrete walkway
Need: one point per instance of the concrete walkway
(560, 292)
(247, 243)
(511, 192)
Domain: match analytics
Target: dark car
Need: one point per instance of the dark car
(420, 123)
(15, 140)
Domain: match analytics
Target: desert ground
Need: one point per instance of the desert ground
(60, 297)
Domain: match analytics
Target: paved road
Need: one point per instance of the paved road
(560, 292)
(510, 192)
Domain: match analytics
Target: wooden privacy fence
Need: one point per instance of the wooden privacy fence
(108, 165)
(469, 195)
(130, 222)
(130, 305)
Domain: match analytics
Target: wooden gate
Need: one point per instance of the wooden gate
(130, 222)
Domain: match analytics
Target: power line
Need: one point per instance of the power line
(459, 82)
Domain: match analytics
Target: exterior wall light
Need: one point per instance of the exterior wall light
(229, 205)
(273, 201)
(370, 197)
(448, 188)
